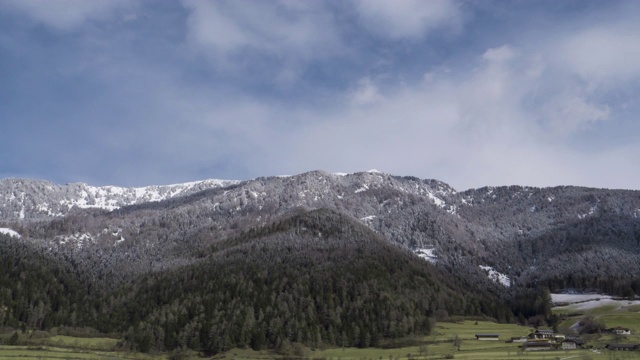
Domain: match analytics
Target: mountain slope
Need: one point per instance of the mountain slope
(316, 277)
(37, 199)
(506, 228)
(37, 288)
(150, 259)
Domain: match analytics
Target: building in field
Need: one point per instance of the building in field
(521, 339)
(622, 347)
(488, 337)
(539, 345)
(619, 330)
(542, 334)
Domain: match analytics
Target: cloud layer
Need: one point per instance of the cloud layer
(134, 93)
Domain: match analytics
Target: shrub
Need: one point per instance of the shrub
(13, 340)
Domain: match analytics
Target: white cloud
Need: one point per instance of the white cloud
(466, 128)
(407, 18)
(210, 28)
(285, 29)
(366, 92)
(67, 14)
(500, 54)
(512, 112)
(603, 55)
(570, 112)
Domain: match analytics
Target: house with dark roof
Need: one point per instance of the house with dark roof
(622, 347)
(490, 337)
(568, 345)
(576, 339)
(538, 345)
(541, 334)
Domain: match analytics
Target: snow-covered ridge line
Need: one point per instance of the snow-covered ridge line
(26, 199)
(106, 196)
(23, 198)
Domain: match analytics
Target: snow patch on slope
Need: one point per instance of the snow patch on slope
(591, 212)
(575, 302)
(576, 298)
(368, 220)
(436, 200)
(78, 239)
(10, 232)
(496, 276)
(428, 254)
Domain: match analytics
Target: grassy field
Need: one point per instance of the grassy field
(103, 344)
(50, 352)
(67, 347)
(627, 316)
(439, 345)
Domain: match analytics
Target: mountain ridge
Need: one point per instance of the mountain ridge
(34, 199)
(189, 246)
(497, 227)
(23, 198)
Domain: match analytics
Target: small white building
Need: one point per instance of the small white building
(569, 345)
(621, 331)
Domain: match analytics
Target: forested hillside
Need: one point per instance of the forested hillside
(315, 258)
(315, 278)
(37, 289)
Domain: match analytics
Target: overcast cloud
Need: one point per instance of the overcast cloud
(133, 93)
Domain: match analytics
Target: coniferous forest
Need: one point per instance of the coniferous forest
(317, 278)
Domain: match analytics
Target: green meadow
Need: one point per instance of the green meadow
(441, 344)
(50, 352)
(448, 340)
(610, 315)
(65, 347)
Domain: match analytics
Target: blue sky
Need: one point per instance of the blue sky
(471, 93)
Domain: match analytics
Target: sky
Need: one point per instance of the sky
(472, 93)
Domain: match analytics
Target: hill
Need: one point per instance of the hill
(354, 257)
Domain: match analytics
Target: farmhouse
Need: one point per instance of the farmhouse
(537, 345)
(541, 334)
(569, 345)
(579, 342)
(621, 347)
(520, 339)
(493, 337)
(620, 331)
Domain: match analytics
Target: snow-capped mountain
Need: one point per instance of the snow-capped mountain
(513, 230)
(497, 244)
(36, 199)
(22, 199)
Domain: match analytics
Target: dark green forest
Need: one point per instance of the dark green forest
(316, 278)
(252, 265)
